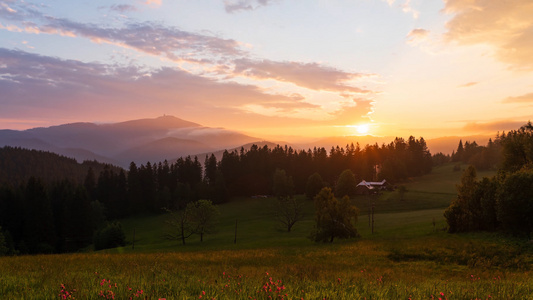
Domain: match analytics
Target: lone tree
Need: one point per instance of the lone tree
(334, 218)
(199, 217)
(179, 225)
(346, 184)
(203, 217)
(288, 209)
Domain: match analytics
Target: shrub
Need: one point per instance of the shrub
(110, 236)
(3, 246)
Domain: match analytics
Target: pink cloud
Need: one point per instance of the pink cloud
(506, 25)
(309, 75)
(155, 3)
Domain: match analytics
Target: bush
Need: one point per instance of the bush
(3, 246)
(313, 186)
(111, 236)
(515, 203)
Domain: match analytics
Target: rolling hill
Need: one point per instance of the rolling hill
(143, 140)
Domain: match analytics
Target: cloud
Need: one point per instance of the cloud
(417, 35)
(495, 126)
(349, 115)
(232, 6)
(122, 8)
(224, 56)
(148, 37)
(527, 98)
(469, 84)
(154, 3)
(44, 86)
(405, 7)
(506, 25)
(308, 75)
(51, 84)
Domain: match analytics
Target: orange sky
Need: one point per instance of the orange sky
(272, 69)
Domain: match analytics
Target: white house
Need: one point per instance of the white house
(367, 187)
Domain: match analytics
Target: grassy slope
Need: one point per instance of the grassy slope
(425, 200)
(404, 258)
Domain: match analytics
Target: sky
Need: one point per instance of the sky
(271, 68)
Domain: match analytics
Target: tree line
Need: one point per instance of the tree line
(63, 212)
(504, 201)
(17, 165)
(152, 187)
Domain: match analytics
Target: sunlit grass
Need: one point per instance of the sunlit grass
(407, 257)
(347, 270)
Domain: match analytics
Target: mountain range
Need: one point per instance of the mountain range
(140, 141)
(169, 138)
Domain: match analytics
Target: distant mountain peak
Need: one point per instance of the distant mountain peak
(162, 122)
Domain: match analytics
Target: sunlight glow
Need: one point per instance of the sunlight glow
(362, 129)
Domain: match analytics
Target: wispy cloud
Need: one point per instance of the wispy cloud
(527, 98)
(406, 7)
(154, 3)
(233, 6)
(122, 8)
(309, 75)
(41, 86)
(494, 126)
(148, 37)
(506, 25)
(51, 83)
(468, 84)
(417, 35)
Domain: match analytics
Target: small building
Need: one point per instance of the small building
(372, 187)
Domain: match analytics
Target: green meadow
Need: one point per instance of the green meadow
(408, 256)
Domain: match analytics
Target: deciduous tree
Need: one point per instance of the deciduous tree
(313, 186)
(289, 211)
(346, 184)
(203, 217)
(334, 218)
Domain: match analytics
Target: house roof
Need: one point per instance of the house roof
(371, 184)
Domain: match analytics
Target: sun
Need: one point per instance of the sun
(362, 129)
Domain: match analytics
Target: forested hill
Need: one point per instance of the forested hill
(18, 165)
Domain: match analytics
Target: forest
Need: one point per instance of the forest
(47, 206)
(502, 202)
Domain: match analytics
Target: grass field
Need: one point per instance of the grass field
(407, 257)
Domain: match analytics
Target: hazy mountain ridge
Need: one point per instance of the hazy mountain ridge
(168, 138)
(140, 141)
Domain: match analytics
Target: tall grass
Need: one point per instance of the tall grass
(407, 257)
(348, 270)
